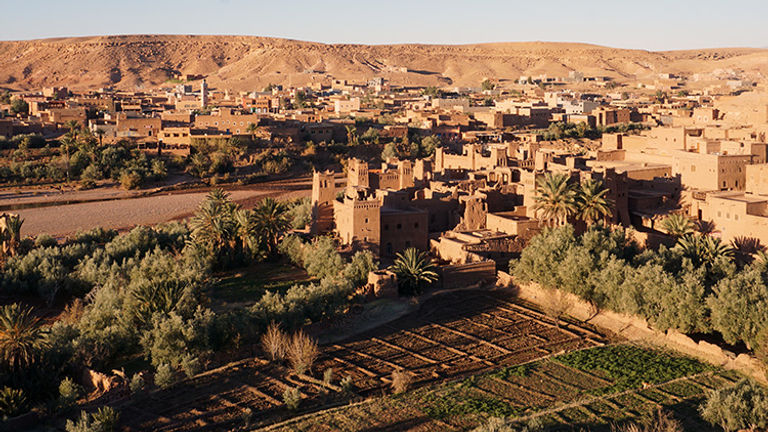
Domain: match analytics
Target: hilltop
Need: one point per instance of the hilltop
(248, 63)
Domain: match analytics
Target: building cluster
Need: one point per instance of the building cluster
(697, 146)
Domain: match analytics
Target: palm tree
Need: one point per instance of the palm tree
(10, 232)
(592, 203)
(246, 230)
(555, 198)
(68, 142)
(251, 129)
(703, 249)
(271, 222)
(100, 134)
(213, 226)
(20, 336)
(414, 270)
(351, 135)
(677, 225)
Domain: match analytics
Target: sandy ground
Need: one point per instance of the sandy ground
(65, 220)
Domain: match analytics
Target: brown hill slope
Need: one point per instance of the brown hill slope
(249, 63)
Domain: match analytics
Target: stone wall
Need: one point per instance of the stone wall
(637, 329)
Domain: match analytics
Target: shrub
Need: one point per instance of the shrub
(68, 393)
(190, 365)
(45, 240)
(302, 353)
(275, 342)
(106, 418)
(103, 420)
(137, 383)
(328, 377)
(743, 406)
(401, 381)
(12, 402)
(346, 384)
(130, 180)
(164, 376)
(662, 421)
(292, 398)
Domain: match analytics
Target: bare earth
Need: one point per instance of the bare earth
(66, 220)
(248, 62)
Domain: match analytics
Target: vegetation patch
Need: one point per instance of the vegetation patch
(630, 366)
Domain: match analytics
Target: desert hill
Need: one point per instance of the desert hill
(249, 63)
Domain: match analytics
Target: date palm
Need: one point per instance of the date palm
(100, 134)
(555, 198)
(703, 249)
(677, 225)
(414, 270)
(21, 337)
(11, 234)
(592, 203)
(271, 222)
(213, 225)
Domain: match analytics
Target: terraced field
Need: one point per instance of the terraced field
(558, 395)
(452, 336)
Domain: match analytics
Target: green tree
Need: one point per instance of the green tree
(414, 271)
(592, 203)
(389, 152)
(487, 85)
(555, 198)
(701, 249)
(739, 306)
(19, 106)
(271, 221)
(741, 407)
(21, 337)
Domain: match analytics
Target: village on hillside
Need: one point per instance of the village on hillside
(548, 253)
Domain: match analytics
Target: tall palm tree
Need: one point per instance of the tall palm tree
(592, 203)
(20, 336)
(271, 220)
(414, 270)
(351, 135)
(100, 134)
(10, 232)
(213, 226)
(677, 225)
(251, 129)
(555, 198)
(246, 230)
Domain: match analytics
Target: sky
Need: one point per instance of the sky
(648, 24)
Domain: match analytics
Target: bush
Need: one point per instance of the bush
(401, 381)
(103, 420)
(302, 353)
(292, 398)
(275, 342)
(662, 421)
(68, 393)
(346, 384)
(130, 180)
(743, 406)
(190, 365)
(12, 402)
(137, 383)
(165, 376)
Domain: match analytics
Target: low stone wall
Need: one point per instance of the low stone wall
(638, 329)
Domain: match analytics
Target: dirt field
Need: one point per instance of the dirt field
(64, 220)
(452, 335)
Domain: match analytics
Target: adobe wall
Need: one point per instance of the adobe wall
(637, 329)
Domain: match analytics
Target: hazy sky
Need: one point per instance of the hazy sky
(648, 24)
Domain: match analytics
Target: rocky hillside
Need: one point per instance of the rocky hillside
(249, 63)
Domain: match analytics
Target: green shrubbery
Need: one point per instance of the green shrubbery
(682, 288)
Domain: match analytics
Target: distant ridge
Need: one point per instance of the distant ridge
(250, 62)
